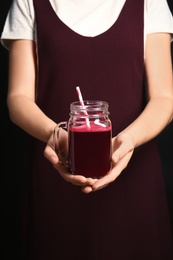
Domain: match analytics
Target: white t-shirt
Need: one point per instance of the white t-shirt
(85, 17)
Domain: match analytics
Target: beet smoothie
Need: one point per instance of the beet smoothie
(90, 150)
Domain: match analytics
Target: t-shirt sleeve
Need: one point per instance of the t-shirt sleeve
(158, 17)
(20, 22)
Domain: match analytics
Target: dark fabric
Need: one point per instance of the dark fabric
(128, 220)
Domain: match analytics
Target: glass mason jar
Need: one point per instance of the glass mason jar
(89, 138)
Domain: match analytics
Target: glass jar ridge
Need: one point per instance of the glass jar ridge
(91, 109)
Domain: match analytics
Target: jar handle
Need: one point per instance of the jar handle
(60, 142)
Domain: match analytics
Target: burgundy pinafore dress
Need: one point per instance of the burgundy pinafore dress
(127, 220)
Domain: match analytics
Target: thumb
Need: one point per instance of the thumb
(51, 155)
(122, 145)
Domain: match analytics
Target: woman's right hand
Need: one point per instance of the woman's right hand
(56, 151)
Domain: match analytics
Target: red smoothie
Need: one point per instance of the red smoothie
(90, 150)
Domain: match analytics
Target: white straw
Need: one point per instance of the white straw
(82, 103)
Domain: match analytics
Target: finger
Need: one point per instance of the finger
(87, 189)
(51, 155)
(78, 180)
(121, 147)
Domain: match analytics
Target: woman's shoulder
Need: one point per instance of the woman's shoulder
(155, 4)
(26, 5)
(158, 16)
(20, 21)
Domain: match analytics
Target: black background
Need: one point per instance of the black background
(14, 154)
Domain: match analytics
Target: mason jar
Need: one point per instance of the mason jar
(89, 138)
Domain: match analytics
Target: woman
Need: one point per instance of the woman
(118, 51)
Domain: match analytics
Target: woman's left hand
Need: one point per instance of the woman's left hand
(122, 147)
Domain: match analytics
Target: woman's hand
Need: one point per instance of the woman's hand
(56, 152)
(123, 148)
